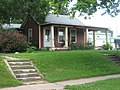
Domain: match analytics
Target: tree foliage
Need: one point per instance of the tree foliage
(88, 6)
(17, 10)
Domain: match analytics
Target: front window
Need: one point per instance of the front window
(47, 35)
(61, 35)
(30, 35)
(73, 35)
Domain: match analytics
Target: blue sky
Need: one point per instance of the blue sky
(113, 23)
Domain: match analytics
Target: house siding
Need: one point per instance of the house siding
(42, 38)
(31, 23)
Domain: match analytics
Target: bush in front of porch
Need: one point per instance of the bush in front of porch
(75, 46)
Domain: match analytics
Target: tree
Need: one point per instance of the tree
(63, 8)
(17, 10)
(88, 6)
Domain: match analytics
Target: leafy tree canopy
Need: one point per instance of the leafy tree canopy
(88, 6)
(16, 10)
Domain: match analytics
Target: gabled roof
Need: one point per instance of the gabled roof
(62, 19)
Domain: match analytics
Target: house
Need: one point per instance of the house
(59, 32)
(100, 38)
(7, 26)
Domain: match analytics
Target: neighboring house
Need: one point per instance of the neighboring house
(12, 26)
(100, 38)
(59, 32)
(7, 26)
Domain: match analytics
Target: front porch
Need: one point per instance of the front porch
(61, 36)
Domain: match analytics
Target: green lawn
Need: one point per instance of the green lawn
(109, 84)
(65, 65)
(6, 79)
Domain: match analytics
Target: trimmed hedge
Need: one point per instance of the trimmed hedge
(12, 41)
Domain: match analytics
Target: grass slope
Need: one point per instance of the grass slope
(109, 84)
(65, 65)
(6, 79)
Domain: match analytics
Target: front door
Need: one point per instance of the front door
(47, 40)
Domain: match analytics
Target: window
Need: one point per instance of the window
(30, 35)
(73, 35)
(47, 35)
(61, 35)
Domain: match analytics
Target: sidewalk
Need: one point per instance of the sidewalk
(60, 85)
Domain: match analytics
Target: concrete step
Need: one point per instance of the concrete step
(19, 60)
(23, 75)
(27, 79)
(20, 63)
(24, 71)
(117, 61)
(22, 67)
(35, 82)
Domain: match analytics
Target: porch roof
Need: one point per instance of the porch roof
(91, 28)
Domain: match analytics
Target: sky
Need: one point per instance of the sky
(113, 23)
(98, 20)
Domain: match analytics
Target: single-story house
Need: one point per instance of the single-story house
(59, 32)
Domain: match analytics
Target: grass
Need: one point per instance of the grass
(66, 65)
(6, 79)
(109, 84)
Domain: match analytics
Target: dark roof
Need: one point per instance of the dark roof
(63, 19)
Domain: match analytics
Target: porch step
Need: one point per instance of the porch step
(23, 70)
(61, 49)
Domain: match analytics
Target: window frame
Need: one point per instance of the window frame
(61, 29)
(30, 35)
(47, 29)
(73, 35)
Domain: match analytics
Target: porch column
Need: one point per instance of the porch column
(94, 39)
(86, 36)
(39, 37)
(52, 37)
(66, 37)
(106, 36)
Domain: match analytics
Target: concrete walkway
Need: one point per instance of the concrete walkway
(60, 85)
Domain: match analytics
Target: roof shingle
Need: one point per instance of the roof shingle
(63, 19)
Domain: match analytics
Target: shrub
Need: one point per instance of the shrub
(31, 49)
(46, 49)
(81, 47)
(89, 46)
(107, 46)
(74, 46)
(111, 47)
(12, 41)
